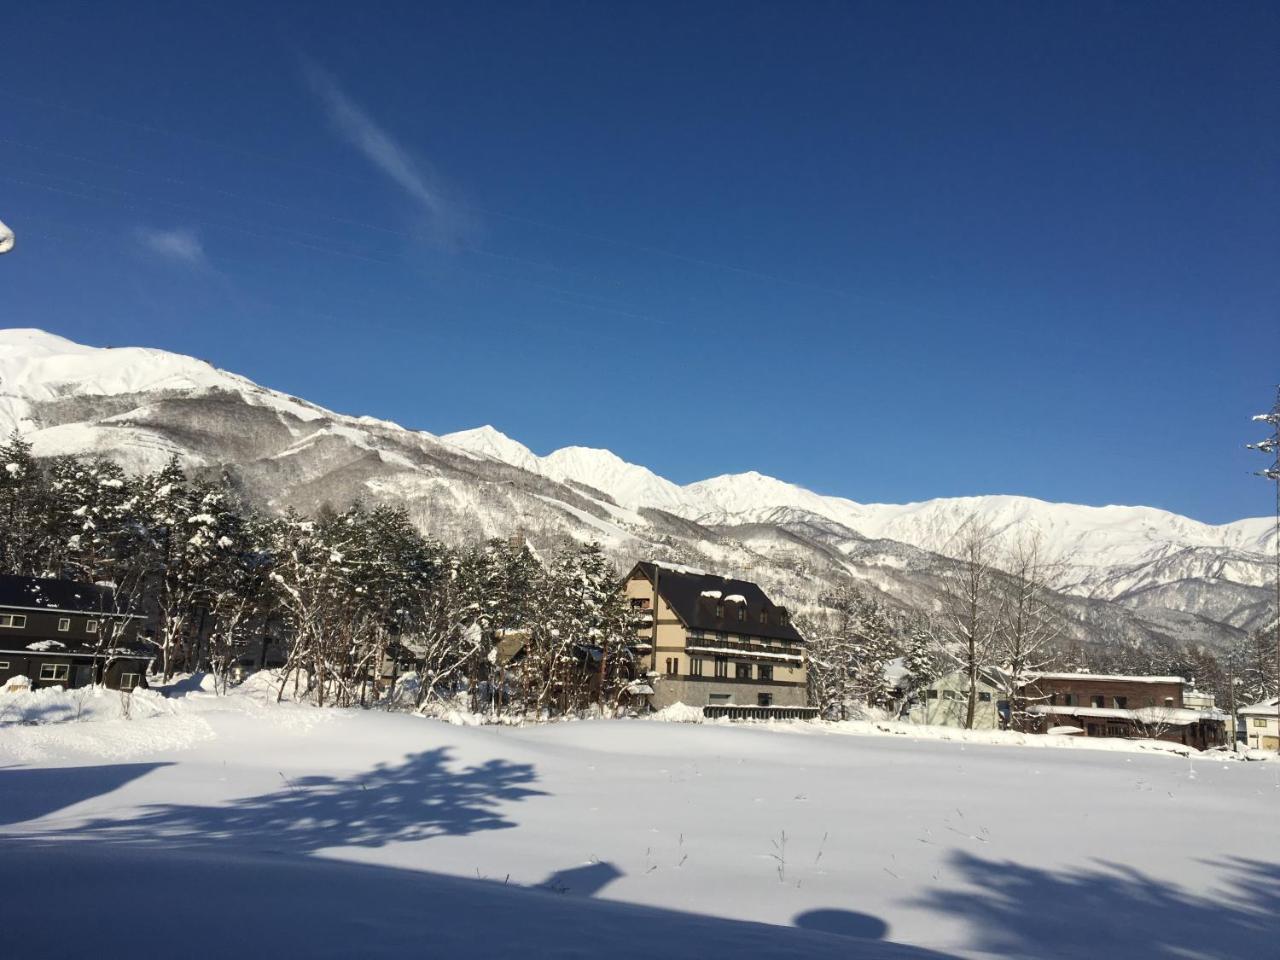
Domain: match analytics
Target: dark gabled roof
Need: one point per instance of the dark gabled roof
(683, 591)
(41, 593)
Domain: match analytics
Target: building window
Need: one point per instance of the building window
(931, 695)
(15, 621)
(764, 699)
(1069, 700)
(782, 617)
(4, 664)
(722, 667)
(64, 624)
(128, 681)
(764, 616)
(91, 626)
(54, 671)
(719, 609)
(742, 671)
(695, 667)
(720, 698)
(639, 603)
(673, 666)
(1259, 722)
(765, 671)
(1119, 703)
(984, 697)
(950, 694)
(1168, 701)
(742, 612)
(1097, 700)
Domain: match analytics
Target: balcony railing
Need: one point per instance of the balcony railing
(744, 712)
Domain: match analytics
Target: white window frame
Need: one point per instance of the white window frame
(4, 664)
(13, 621)
(91, 626)
(57, 671)
(64, 624)
(128, 681)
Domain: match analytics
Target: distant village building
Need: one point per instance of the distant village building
(945, 703)
(62, 633)
(1260, 725)
(1194, 699)
(1083, 704)
(717, 643)
(1109, 705)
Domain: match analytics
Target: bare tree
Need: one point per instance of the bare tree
(1028, 622)
(1154, 722)
(967, 621)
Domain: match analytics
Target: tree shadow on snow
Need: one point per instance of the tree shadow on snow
(26, 794)
(420, 798)
(1018, 910)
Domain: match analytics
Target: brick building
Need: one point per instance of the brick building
(1110, 705)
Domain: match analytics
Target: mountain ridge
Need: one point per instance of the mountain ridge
(140, 406)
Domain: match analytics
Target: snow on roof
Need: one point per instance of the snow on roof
(735, 598)
(713, 594)
(1267, 708)
(895, 670)
(1176, 716)
(1106, 676)
(681, 568)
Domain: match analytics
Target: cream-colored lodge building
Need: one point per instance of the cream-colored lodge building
(946, 703)
(1261, 725)
(712, 641)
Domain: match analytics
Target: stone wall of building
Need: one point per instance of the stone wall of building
(700, 692)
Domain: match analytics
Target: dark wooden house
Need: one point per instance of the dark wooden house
(63, 633)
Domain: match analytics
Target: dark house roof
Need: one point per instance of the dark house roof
(41, 593)
(684, 593)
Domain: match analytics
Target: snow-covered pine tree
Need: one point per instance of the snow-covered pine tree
(23, 509)
(921, 662)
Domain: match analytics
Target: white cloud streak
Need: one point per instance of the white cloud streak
(378, 147)
(180, 244)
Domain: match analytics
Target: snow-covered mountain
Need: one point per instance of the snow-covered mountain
(140, 406)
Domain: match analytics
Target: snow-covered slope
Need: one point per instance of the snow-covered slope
(140, 406)
(331, 834)
(488, 442)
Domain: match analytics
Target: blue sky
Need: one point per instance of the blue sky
(891, 251)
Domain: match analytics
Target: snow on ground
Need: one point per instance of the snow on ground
(290, 831)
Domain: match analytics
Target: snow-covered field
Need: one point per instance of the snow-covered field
(201, 826)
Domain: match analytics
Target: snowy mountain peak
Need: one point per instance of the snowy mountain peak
(39, 368)
(488, 441)
(628, 483)
(140, 406)
(31, 341)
